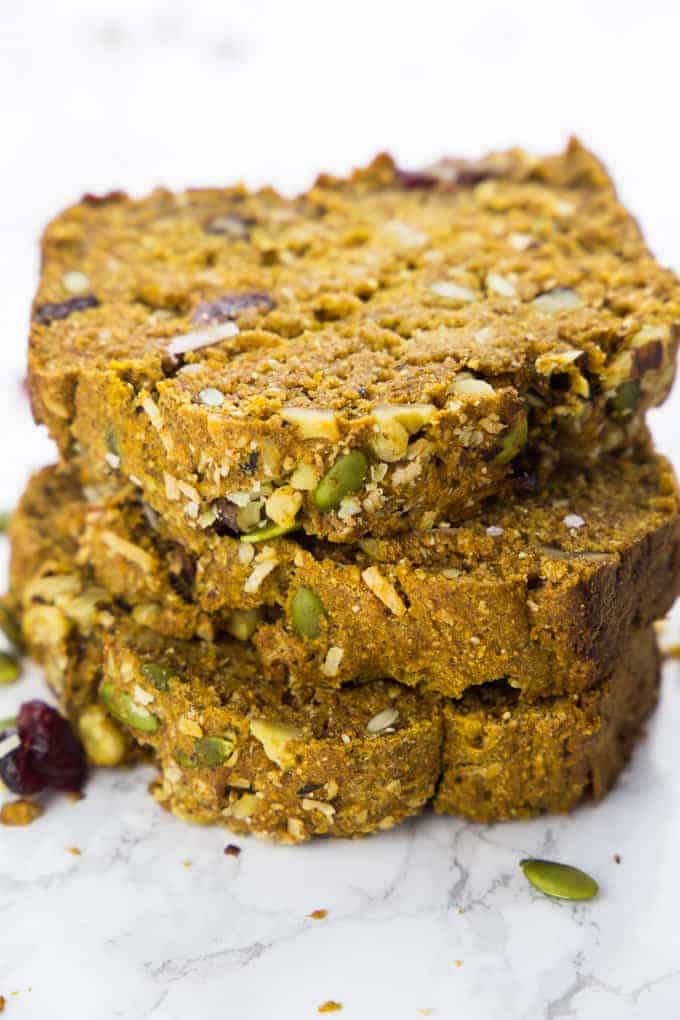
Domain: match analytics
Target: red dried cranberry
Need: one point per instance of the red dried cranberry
(48, 756)
(225, 518)
(18, 775)
(52, 310)
(229, 305)
(451, 172)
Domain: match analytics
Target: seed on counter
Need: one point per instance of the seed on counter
(562, 881)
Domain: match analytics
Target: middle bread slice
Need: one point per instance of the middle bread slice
(540, 590)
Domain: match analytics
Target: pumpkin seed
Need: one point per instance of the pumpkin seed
(213, 751)
(104, 742)
(10, 627)
(209, 752)
(513, 441)
(159, 675)
(307, 610)
(243, 622)
(347, 475)
(122, 707)
(626, 397)
(9, 668)
(560, 880)
(269, 531)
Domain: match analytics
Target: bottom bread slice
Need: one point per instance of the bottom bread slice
(236, 749)
(504, 758)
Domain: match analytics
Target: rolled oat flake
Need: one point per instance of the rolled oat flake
(562, 881)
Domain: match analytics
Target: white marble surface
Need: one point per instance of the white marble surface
(152, 920)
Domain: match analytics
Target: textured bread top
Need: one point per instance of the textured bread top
(413, 317)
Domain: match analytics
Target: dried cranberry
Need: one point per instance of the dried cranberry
(249, 465)
(48, 756)
(105, 199)
(451, 172)
(225, 518)
(52, 310)
(17, 773)
(232, 224)
(229, 305)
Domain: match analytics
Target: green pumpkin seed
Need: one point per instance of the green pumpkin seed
(9, 668)
(307, 611)
(213, 751)
(10, 627)
(209, 752)
(242, 623)
(159, 675)
(513, 442)
(4, 522)
(560, 880)
(187, 761)
(269, 531)
(347, 475)
(122, 707)
(627, 396)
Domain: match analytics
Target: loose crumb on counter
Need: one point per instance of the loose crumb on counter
(20, 812)
(318, 915)
(329, 1007)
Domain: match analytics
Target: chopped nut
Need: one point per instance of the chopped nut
(75, 282)
(20, 812)
(260, 571)
(244, 807)
(331, 663)
(318, 805)
(283, 505)
(561, 299)
(313, 423)
(403, 234)
(211, 397)
(454, 291)
(501, 285)
(304, 478)
(573, 521)
(202, 338)
(384, 590)
(128, 550)
(275, 738)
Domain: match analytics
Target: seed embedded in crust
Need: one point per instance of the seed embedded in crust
(127, 711)
(513, 441)
(383, 720)
(104, 742)
(348, 474)
(307, 612)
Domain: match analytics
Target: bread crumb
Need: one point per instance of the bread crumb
(20, 812)
(318, 915)
(457, 963)
(329, 1007)
(75, 850)
(616, 858)
(231, 850)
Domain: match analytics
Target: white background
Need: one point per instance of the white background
(101, 95)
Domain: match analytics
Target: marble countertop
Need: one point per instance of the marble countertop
(150, 919)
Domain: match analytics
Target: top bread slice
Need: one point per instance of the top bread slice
(372, 357)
